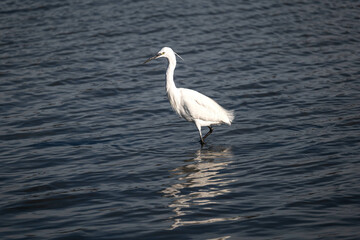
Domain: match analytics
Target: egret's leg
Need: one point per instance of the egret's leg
(198, 126)
(210, 131)
(202, 141)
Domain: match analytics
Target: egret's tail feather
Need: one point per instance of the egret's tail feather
(231, 116)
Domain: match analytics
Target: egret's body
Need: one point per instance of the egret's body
(192, 105)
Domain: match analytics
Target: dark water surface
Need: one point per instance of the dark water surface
(90, 148)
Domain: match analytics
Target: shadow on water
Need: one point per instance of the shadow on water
(201, 181)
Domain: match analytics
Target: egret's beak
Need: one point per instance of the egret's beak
(152, 58)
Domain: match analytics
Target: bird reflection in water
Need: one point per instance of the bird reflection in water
(202, 179)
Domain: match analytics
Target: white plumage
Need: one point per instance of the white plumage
(189, 104)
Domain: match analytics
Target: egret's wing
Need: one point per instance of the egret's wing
(199, 106)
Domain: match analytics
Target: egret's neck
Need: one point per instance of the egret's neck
(170, 84)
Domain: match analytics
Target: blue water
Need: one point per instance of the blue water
(90, 148)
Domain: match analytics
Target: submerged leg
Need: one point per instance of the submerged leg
(210, 131)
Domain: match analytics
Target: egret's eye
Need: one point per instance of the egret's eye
(162, 53)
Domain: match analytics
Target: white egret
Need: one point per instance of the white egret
(189, 104)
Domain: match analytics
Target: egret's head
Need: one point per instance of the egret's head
(164, 52)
